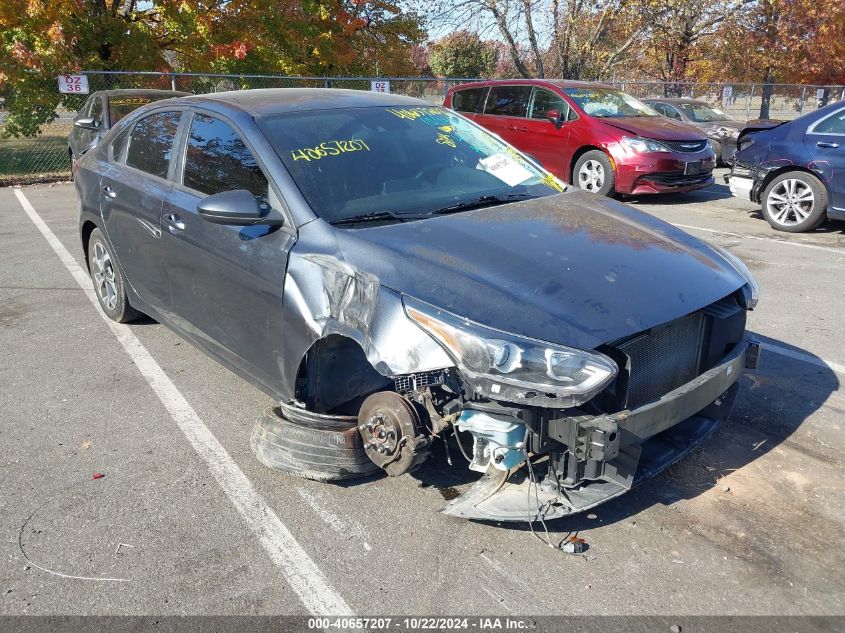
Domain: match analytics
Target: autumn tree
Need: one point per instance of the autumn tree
(463, 54)
(547, 38)
(41, 40)
(780, 41)
(675, 33)
(590, 38)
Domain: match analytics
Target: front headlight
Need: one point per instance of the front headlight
(642, 145)
(509, 367)
(751, 290)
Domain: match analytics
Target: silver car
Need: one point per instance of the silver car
(101, 112)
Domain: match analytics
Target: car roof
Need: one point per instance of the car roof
(135, 92)
(268, 101)
(558, 83)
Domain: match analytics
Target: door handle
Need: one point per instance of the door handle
(109, 192)
(827, 144)
(174, 223)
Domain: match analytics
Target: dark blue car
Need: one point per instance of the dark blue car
(796, 170)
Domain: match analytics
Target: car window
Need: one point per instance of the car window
(97, 111)
(151, 143)
(608, 103)
(666, 110)
(545, 100)
(399, 161)
(216, 159)
(703, 113)
(85, 111)
(118, 145)
(471, 100)
(508, 100)
(121, 105)
(672, 113)
(834, 124)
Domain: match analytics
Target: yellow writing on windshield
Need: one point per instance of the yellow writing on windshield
(445, 139)
(414, 113)
(329, 148)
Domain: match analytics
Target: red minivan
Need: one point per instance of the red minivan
(591, 135)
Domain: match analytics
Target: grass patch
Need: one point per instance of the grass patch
(41, 158)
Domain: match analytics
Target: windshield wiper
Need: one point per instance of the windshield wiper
(372, 217)
(483, 201)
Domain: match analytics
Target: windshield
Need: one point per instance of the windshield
(119, 107)
(399, 161)
(702, 113)
(607, 102)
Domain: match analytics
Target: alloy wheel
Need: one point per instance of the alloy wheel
(104, 277)
(591, 176)
(790, 202)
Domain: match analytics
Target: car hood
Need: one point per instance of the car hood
(574, 268)
(656, 127)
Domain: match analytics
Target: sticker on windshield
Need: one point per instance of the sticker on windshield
(505, 169)
(329, 148)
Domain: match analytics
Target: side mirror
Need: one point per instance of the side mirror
(238, 207)
(556, 117)
(86, 123)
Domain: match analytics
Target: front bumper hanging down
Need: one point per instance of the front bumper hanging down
(606, 455)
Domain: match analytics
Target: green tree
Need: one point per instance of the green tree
(463, 54)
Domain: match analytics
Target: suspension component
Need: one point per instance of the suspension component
(392, 432)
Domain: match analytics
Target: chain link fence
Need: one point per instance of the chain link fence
(45, 157)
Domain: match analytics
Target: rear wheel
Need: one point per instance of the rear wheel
(109, 283)
(593, 172)
(795, 202)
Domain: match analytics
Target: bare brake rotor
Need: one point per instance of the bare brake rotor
(392, 433)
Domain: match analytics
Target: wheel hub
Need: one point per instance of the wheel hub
(392, 433)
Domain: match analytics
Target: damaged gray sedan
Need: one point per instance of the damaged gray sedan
(392, 275)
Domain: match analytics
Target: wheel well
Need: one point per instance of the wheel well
(87, 228)
(581, 151)
(777, 172)
(335, 376)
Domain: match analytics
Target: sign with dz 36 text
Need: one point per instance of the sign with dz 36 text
(73, 84)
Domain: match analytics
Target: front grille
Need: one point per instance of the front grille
(685, 146)
(678, 179)
(663, 359)
(414, 382)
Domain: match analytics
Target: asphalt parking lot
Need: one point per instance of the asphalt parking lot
(186, 521)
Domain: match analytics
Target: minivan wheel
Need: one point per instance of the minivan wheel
(109, 283)
(795, 202)
(593, 172)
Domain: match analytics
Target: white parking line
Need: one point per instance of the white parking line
(828, 249)
(301, 573)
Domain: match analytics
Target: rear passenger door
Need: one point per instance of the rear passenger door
(505, 111)
(132, 192)
(825, 142)
(227, 281)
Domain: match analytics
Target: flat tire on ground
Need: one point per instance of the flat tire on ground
(320, 454)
